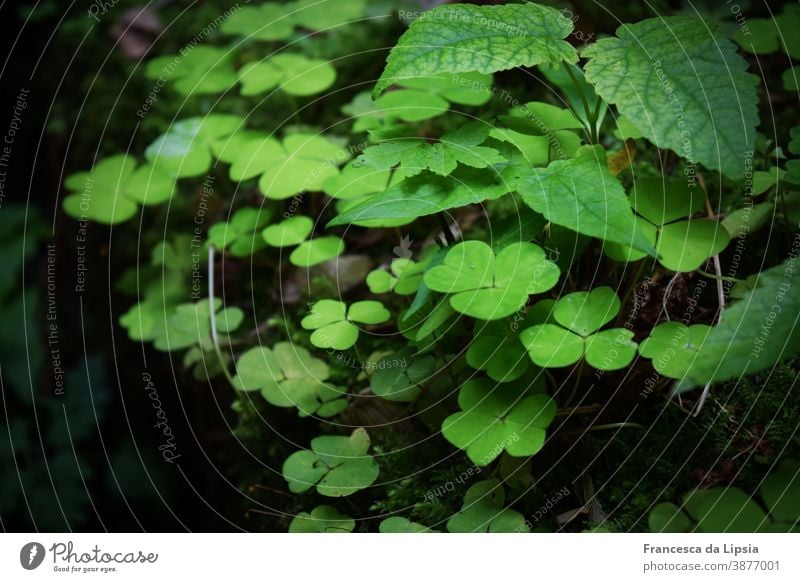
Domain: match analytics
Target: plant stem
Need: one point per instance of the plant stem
(448, 235)
(213, 316)
(575, 385)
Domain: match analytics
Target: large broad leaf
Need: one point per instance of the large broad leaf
(459, 38)
(755, 332)
(427, 194)
(683, 86)
(582, 195)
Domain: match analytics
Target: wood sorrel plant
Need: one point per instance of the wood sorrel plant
(498, 337)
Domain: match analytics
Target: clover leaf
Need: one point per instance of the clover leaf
(301, 162)
(197, 70)
(496, 349)
(111, 192)
(294, 74)
(673, 347)
(410, 156)
(662, 206)
(264, 22)
(780, 492)
(334, 322)
(397, 524)
(184, 151)
(498, 417)
(322, 519)
(241, 235)
(316, 251)
(483, 512)
(287, 375)
(580, 315)
(398, 376)
(488, 286)
(337, 465)
(728, 510)
(289, 232)
(404, 277)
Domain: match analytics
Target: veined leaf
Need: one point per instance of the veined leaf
(582, 195)
(756, 331)
(459, 38)
(683, 86)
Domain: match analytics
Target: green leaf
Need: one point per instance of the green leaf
(398, 524)
(518, 35)
(699, 101)
(322, 519)
(727, 510)
(673, 346)
(668, 518)
(496, 349)
(399, 376)
(781, 492)
(584, 312)
(684, 246)
(663, 200)
(424, 195)
(99, 195)
(463, 88)
(498, 417)
(483, 512)
(264, 22)
(485, 286)
(294, 74)
(612, 349)
(325, 14)
(184, 150)
(241, 236)
(582, 195)
(356, 181)
(198, 69)
(331, 321)
(316, 251)
(551, 346)
(289, 232)
(337, 465)
(756, 331)
(410, 105)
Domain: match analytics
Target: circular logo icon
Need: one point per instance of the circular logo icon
(31, 555)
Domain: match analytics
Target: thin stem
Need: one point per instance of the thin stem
(448, 234)
(213, 316)
(575, 385)
(719, 277)
(617, 425)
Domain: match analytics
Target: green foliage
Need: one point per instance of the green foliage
(401, 525)
(485, 285)
(293, 74)
(731, 510)
(699, 102)
(322, 519)
(113, 190)
(519, 36)
(580, 315)
(338, 466)
(287, 375)
(499, 417)
(334, 323)
(483, 512)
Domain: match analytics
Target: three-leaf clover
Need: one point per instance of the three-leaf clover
(673, 347)
(294, 74)
(483, 512)
(399, 376)
(300, 163)
(185, 150)
(287, 375)
(337, 465)
(270, 21)
(488, 286)
(410, 156)
(580, 315)
(197, 70)
(662, 206)
(241, 236)
(113, 190)
(403, 277)
(498, 417)
(497, 350)
(322, 519)
(335, 323)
